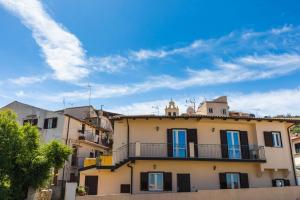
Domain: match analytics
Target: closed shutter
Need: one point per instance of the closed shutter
(273, 183)
(170, 142)
(144, 181)
(287, 182)
(268, 139)
(192, 137)
(46, 124)
(244, 145)
(224, 144)
(244, 180)
(54, 122)
(167, 181)
(223, 183)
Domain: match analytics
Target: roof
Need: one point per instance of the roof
(289, 120)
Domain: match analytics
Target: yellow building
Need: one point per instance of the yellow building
(191, 153)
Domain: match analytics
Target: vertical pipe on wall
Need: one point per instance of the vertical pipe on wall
(292, 156)
(128, 138)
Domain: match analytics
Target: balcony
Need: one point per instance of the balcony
(197, 152)
(204, 152)
(89, 136)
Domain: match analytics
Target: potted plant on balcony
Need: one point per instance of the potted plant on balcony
(80, 191)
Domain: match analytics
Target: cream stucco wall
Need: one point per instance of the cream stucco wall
(204, 174)
(284, 193)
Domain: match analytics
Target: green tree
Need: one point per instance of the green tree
(296, 129)
(24, 161)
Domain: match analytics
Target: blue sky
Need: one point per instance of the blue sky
(137, 54)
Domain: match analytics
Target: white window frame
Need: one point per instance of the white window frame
(276, 139)
(154, 187)
(50, 122)
(234, 147)
(231, 181)
(175, 147)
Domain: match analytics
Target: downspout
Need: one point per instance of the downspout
(128, 138)
(131, 177)
(66, 143)
(294, 171)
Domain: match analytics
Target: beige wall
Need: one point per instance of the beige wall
(204, 174)
(286, 193)
(217, 109)
(144, 131)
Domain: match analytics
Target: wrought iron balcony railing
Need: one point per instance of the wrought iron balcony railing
(199, 151)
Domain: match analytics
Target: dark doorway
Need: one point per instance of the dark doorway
(91, 184)
(183, 183)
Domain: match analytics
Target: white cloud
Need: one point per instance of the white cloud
(109, 64)
(262, 104)
(275, 102)
(61, 49)
(247, 68)
(28, 80)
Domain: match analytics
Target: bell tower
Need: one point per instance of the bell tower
(172, 109)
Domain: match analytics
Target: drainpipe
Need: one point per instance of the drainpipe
(294, 171)
(63, 174)
(128, 138)
(131, 177)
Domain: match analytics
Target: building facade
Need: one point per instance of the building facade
(191, 153)
(73, 127)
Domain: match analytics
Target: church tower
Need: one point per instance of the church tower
(172, 109)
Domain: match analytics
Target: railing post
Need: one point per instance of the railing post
(137, 149)
(192, 149)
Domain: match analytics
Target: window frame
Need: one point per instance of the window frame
(277, 140)
(231, 178)
(156, 187)
(210, 110)
(297, 144)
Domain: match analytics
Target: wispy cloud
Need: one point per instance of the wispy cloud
(28, 80)
(62, 50)
(241, 69)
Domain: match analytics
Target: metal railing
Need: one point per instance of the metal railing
(120, 154)
(204, 151)
(89, 136)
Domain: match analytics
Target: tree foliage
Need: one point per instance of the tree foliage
(296, 129)
(24, 161)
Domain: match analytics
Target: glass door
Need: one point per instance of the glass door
(234, 149)
(179, 143)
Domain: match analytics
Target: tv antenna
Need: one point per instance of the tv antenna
(191, 101)
(156, 109)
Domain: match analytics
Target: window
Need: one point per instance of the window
(50, 123)
(272, 139)
(83, 128)
(169, 113)
(233, 180)
(297, 148)
(233, 140)
(155, 182)
(179, 143)
(210, 110)
(276, 139)
(224, 111)
(279, 183)
(125, 188)
(33, 122)
(174, 113)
